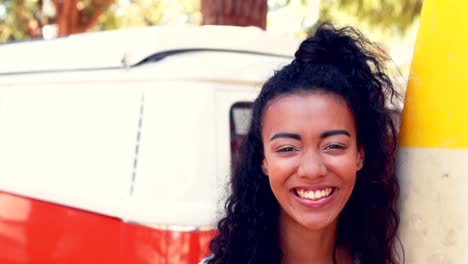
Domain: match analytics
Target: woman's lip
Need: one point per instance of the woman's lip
(314, 203)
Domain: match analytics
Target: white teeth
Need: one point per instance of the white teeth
(318, 194)
(314, 195)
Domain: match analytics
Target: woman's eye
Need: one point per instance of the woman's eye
(335, 146)
(286, 149)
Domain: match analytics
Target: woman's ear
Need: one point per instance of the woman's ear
(360, 158)
(265, 167)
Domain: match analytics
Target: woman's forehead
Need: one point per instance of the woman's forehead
(305, 93)
(316, 112)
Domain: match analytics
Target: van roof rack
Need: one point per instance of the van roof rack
(150, 59)
(161, 55)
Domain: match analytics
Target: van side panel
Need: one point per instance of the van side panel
(33, 231)
(38, 232)
(69, 143)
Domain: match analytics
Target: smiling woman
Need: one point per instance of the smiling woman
(311, 165)
(315, 179)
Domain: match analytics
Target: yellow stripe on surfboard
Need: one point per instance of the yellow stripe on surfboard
(436, 104)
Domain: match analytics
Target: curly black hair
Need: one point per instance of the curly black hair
(342, 62)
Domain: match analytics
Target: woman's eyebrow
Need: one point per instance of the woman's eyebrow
(334, 132)
(286, 135)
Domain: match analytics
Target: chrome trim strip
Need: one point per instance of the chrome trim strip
(175, 228)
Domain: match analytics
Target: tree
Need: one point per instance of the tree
(390, 14)
(15, 18)
(24, 19)
(386, 14)
(397, 14)
(75, 16)
(140, 13)
(235, 12)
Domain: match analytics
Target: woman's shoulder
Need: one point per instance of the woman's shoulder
(205, 260)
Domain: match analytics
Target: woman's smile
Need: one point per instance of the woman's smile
(314, 195)
(314, 198)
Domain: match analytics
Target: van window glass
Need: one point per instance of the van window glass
(239, 117)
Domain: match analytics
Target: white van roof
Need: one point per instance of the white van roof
(120, 48)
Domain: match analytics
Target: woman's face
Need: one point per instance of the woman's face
(311, 156)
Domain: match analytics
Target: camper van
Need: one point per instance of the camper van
(117, 147)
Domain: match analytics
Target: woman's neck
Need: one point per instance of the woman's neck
(301, 245)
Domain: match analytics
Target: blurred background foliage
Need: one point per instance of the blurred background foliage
(138, 13)
(386, 14)
(14, 18)
(19, 19)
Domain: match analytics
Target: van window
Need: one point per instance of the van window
(239, 117)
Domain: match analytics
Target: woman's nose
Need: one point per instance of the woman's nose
(311, 165)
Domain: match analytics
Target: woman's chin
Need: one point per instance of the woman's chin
(318, 224)
(314, 221)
